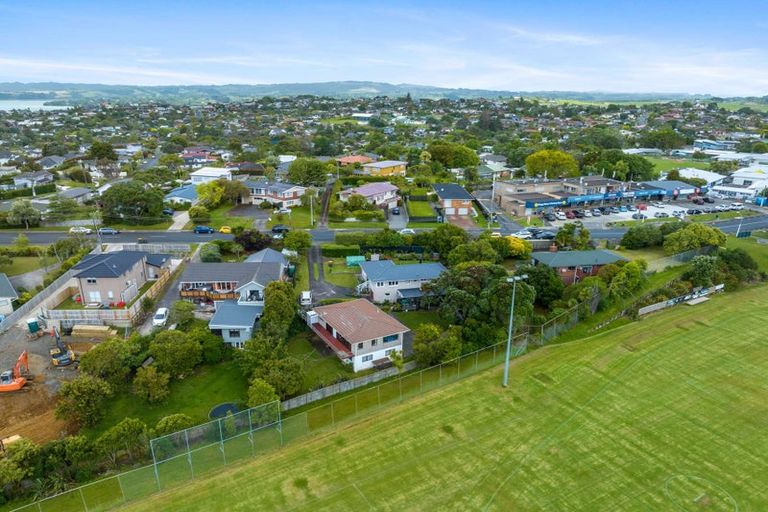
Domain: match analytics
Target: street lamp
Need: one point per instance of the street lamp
(513, 280)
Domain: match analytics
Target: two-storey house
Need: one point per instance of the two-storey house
(282, 195)
(358, 332)
(454, 199)
(206, 174)
(382, 194)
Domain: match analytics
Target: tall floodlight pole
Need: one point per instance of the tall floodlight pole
(514, 281)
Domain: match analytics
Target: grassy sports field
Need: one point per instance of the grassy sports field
(667, 413)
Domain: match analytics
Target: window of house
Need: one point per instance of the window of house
(391, 338)
(374, 342)
(91, 280)
(234, 333)
(367, 358)
(380, 283)
(359, 346)
(392, 283)
(390, 351)
(110, 295)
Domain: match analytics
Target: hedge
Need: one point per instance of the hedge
(27, 191)
(339, 251)
(351, 238)
(355, 179)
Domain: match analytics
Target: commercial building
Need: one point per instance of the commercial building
(746, 183)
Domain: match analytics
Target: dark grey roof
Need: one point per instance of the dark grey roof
(73, 193)
(157, 260)
(386, 270)
(561, 259)
(110, 264)
(241, 273)
(6, 288)
(451, 191)
(267, 255)
(230, 314)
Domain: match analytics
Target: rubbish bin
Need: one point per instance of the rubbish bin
(33, 325)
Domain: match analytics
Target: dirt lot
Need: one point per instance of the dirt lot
(463, 221)
(29, 412)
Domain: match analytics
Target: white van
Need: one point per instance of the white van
(306, 298)
(737, 206)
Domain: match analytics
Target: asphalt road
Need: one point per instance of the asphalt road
(324, 235)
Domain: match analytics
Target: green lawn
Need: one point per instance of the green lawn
(299, 218)
(24, 264)
(423, 225)
(413, 319)
(420, 209)
(663, 414)
(339, 273)
(664, 164)
(531, 221)
(648, 253)
(220, 217)
(302, 274)
(758, 251)
(158, 226)
(319, 370)
(196, 395)
(704, 217)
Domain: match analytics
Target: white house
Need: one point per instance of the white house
(358, 332)
(381, 194)
(207, 174)
(387, 282)
(285, 195)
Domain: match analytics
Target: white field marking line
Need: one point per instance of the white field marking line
(544, 442)
(370, 505)
(712, 484)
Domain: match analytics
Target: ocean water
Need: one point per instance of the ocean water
(6, 105)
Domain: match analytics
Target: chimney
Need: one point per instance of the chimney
(553, 247)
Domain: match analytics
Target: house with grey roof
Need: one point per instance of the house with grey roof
(454, 199)
(114, 277)
(268, 255)
(280, 194)
(51, 162)
(573, 266)
(237, 293)
(7, 295)
(28, 179)
(386, 282)
(79, 194)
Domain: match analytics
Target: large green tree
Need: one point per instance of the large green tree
(100, 150)
(431, 346)
(132, 203)
(22, 212)
(175, 353)
(553, 163)
(308, 172)
(82, 400)
(693, 236)
(279, 307)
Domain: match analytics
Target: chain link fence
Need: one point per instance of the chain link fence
(182, 456)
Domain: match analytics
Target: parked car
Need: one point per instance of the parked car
(407, 231)
(570, 215)
(280, 228)
(678, 213)
(284, 211)
(697, 200)
(578, 214)
(534, 231)
(631, 208)
(623, 209)
(167, 211)
(306, 298)
(524, 234)
(596, 212)
(639, 216)
(141, 240)
(545, 235)
(550, 217)
(204, 230)
(80, 230)
(661, 215)
(708, 200)
(225, 229)
(395, 211)
(160, 318)
(587, 213)
(108, 231)
(737, 206)
(560, 216)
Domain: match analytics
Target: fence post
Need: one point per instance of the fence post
(154, 465)
(440, 377)
(189, 454)
(221, 443)
(333, 416)
(477, 354)
(120, 485)
(250, 434)
(279, 422)
(85, 506)
(378, 396)
(400, 385)
(421, 381)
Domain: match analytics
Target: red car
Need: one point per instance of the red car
(570, 215)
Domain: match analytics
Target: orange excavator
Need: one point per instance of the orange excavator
(14, 380)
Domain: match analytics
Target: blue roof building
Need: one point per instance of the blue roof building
(183, 194)
(387, 282)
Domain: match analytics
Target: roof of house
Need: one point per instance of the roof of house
(73, 193)
(241, 273)
(51, 161)
(372, 189)
(354, 159)
(6, 288)
(451, 191)
(709, 176)
(385, 163)
(386, 270)
(267, 255)
(561, 259)
(188, 192)
(157, 260)
(36, 175)
(359, 320)
(109, 264)
(211, 171)
(230, 314)
(274, 186)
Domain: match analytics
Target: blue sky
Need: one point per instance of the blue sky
(625, 46)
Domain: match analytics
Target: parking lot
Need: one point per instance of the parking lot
(600, 217)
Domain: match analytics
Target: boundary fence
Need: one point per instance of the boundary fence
(38, 299)
(676, 259)
(188, 454)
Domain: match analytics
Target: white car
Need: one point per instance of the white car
(560, 216)
(407, 231)
(587, 213)
(80, 230)
(525, 235)
(737, 206)
(659, 204)
(160, 318)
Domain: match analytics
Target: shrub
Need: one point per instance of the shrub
(199, 214)
(339, 251)
(210, 253)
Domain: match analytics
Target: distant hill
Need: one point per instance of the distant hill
(84, 93)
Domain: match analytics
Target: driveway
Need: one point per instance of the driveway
(398, 222)
(180, 219)
(463, 221)
(320, 288)
(259, 215)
